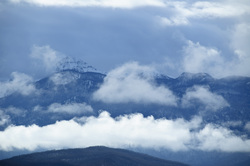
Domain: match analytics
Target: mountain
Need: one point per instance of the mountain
(71, 86)
(92, 156)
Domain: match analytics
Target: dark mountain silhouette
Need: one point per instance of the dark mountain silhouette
(92, 156)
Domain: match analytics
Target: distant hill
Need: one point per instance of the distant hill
(92, 156)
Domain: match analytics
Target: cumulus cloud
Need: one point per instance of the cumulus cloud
(19, 83)
(99, 3)
(124, 131)
(133, 83)
(210, 101)
(212, 137)
(68, 108)
(198, 58)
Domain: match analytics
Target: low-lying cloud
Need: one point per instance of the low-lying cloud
(124, 131)
(67, 108)
(210, 101)
(133, 83)
(19, 83)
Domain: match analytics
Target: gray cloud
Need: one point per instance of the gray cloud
(133, 83)
(124, 131)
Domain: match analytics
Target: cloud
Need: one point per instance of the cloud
(4, 119)
(19, 83)
(212, 137)
(98, 3)
(64, 78)
(133, 83)
(247, 126)
(15, 111)
(68, 108)
(183, 12)
(209, 100)
(124, 131)
(198, 58)
(45, 58)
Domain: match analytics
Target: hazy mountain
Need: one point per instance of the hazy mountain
(92, 156)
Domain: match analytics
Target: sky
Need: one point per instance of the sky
(171, 36)
(130, 41)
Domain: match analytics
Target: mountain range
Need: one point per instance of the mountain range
(70, 93)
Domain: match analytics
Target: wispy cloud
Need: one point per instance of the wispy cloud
(19, 83)
(124, 131)
(133, 83)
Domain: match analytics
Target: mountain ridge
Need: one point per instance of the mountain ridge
(91, 156)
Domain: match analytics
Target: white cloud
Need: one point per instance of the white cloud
(64, 78)
(68, 108)
(247, 126)
(124, 131)
(239, 42)
(212, 137)
(133, 83)
(4, 119)
(98, 3)
(19, 83)
(198, 58)
(211, 101)
(45, 58)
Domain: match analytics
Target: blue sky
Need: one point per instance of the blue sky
(171, 36)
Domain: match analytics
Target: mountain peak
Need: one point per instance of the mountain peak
(69, 63)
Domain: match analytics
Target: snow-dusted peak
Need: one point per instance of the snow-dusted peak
(69, 63)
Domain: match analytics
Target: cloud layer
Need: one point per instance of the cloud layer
(98, 3)
(124, 131)
(133, 83)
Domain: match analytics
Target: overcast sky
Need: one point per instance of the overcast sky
(172, 36)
